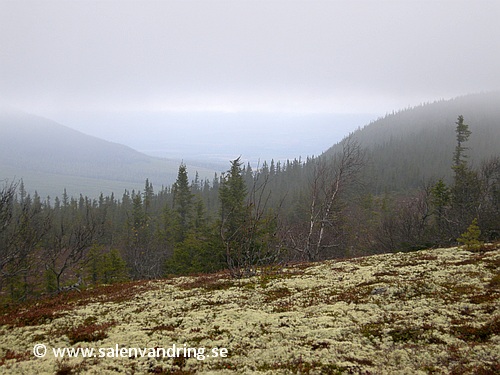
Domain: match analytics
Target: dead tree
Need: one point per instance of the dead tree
(68, 243)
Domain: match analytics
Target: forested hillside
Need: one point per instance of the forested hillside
(410, 146)
(301, 210)
(50, 157)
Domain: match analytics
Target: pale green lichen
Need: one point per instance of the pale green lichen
(430, 311)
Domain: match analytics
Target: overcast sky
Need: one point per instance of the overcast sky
(279, 56)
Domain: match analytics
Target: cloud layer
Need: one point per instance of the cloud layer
(319, 56)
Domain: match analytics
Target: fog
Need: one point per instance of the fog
(214, 138)
(74, 60)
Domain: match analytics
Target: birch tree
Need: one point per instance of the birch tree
(330, 181)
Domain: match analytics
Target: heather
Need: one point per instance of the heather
(432, 311)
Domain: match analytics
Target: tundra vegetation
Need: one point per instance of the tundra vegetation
(429, 311)
(314, 210)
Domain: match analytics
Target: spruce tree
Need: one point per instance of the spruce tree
(148, 195)
(466, 189)
(247, 227)
(233, 214)
(232, 196)
(463, 133)
(470, 238)
(440, 200)
(182, 202)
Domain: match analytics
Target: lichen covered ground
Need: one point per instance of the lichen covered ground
(427, 312)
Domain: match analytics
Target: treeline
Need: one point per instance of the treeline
(311, 210)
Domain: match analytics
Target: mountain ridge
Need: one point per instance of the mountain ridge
(404, 149)
(35, 149)
(408, 147)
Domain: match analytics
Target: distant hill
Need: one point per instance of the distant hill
(215, 137)
(50, 157)
(407, 147)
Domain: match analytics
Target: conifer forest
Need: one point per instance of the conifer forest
(278, 213)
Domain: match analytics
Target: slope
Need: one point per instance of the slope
(432, 311)
(50, 157)
(406, 148)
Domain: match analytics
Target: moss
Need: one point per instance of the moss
(372, 330)
(405, 334)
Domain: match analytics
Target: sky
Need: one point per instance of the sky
(306, 56)
(61, 58)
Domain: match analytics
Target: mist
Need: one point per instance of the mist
(214, 138)
(196, 78)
